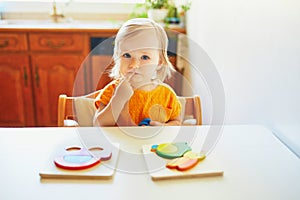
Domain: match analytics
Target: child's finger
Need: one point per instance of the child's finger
(129, 76)
(155, 123)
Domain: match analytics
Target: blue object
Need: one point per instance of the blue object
(145, 122)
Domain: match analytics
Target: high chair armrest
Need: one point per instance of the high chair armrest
(189, 122)
(70, 123)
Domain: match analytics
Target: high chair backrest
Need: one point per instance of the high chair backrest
(69, 107)
(191, 113)
(79, 111)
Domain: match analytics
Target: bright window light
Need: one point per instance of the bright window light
(81, 1)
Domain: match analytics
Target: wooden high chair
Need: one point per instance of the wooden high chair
(69, 107)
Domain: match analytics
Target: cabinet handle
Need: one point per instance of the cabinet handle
(55, 46)
(4, 44)
(25, 76)
(36, 76)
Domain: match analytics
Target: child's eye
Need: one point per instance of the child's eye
(126, 55)
(144, 57)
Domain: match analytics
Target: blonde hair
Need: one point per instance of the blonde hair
(134, 27)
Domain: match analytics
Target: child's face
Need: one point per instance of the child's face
(140, 65)
(140, 56)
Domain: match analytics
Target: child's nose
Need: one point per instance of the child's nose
(134, 64)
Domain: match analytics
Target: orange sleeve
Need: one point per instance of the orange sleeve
(105, 95)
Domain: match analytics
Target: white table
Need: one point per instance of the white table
(256, 166)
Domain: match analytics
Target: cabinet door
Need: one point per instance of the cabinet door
(16, 102)
(54, 75)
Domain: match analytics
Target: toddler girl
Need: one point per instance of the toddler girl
(137, 91)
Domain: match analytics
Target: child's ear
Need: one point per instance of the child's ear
(160, 64)
(159, 67)
(161, 61)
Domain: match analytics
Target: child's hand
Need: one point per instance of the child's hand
(156, 123)
(174, 122)
(124, 90)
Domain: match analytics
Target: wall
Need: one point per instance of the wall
(255, 46)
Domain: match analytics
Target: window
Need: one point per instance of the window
(82, 1)
(74, 6)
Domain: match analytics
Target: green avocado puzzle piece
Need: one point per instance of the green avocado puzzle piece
(171, 150)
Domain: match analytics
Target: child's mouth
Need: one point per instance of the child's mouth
(134, 72)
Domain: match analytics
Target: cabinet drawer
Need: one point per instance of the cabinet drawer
(13, 42)
(54, 42)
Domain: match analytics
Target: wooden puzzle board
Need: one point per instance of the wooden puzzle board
(158, 170)
(104, 170)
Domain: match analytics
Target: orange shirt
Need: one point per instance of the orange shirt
(142, 101)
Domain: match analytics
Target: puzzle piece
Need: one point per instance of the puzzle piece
(158, 113)
(188, 161)
(77, 158)
(171, 150)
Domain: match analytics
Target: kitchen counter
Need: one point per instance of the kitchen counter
(88, 25)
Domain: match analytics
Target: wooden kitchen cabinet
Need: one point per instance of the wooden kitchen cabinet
(53, 75)
(35, 68)
(72, 42)
(16, 102)
(13, 42)
(55, 61)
